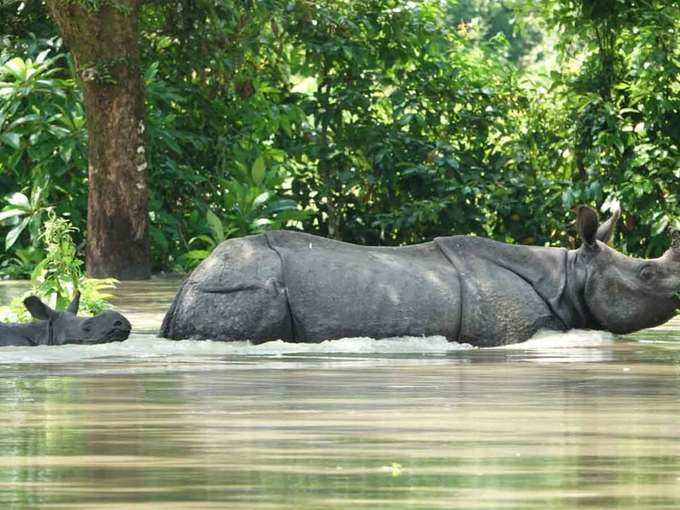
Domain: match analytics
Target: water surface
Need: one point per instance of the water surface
(576, 420)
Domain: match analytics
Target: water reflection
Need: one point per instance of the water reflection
(583, 420)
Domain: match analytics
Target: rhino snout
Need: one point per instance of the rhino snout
(120, 330)
(108, 326)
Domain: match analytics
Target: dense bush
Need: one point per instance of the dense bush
(374, 121)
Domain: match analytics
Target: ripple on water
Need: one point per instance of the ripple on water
(146, 347)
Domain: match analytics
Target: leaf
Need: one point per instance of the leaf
(284, 204)
(202, 238)
(196, 255)
(58, 131)
(16, 67)
(25, 119)
(660, 225)
(11, 212)
(285, 125)
(14, 234)
(260, 199)
(258, 170)
(66, 150)
(215, 225)
(42, 56)
(288, 215)
(11, 139)
(261, 222)
(172, 144)
(19, 200)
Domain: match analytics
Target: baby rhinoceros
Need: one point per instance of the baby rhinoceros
(58, 328)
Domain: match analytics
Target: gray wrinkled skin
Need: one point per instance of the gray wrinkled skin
(302, 288)
(58, 328)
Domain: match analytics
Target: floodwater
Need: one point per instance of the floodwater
(578, 420)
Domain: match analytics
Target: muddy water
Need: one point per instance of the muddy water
(577, 420)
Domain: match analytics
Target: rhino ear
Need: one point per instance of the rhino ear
(38, 309)
(605, 232)
(75, 304)
(587, 224)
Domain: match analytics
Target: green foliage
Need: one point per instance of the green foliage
(399, 128)
(59, 275)
(208, 123)
(60, 271)
(23, 213)
(96, 5)
(42, 150)
(625, 102)
(374, 121)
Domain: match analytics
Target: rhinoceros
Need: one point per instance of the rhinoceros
(303, 288)
(57, 328)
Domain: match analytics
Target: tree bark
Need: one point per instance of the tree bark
(104, 43)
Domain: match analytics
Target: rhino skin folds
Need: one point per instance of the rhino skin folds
(303, 288)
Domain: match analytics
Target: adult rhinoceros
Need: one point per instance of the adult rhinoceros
(302, 288)
(57, 328)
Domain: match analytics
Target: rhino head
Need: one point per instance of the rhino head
(66, 327)
(624, 294)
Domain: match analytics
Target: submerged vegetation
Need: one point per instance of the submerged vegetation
(379, 121)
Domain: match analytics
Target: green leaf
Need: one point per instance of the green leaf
(14, 234)
(197, 255)
(42, 56)
(16, 67)
(202, 238)
(660, 225)
(58, 131)
(284, 204)
(260, 199)
(11, 139)
(215, 225)
(11, 212)
(261, 222)
(24, 120)
(285, 125)
(258, 170)
(20, 201)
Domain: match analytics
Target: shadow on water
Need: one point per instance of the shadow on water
(582, 419)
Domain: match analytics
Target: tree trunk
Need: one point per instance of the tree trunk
(103, 41)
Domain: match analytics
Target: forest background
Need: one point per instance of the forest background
(372, 121)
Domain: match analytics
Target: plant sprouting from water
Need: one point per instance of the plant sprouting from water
(60, 271)
(59, 275)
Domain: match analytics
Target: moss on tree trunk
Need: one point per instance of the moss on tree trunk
(103, 39)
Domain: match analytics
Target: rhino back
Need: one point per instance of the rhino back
(20, 335)
(237, 293)
(337, 289)
(508, 292)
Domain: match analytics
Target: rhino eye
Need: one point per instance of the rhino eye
(647, 273)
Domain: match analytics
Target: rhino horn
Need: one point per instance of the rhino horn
(75, 304)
